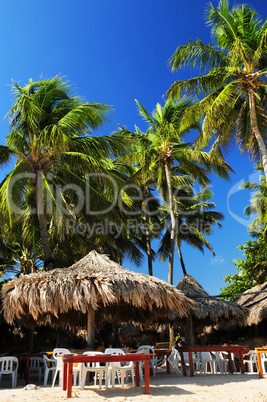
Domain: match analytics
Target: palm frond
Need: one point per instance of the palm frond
(197, 55)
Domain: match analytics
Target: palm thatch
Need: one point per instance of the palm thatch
(256, 303)
(207, 310)
(207, 307)
(63, 296)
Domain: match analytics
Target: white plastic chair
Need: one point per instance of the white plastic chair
(222, 362)
(95, 368)
(9, 365)
(36, 367)
(153, 361)
(57, 355)
(175, 361)
(195, 357)
(263, 361)
(251, 359)
(205, 359)
(225, 361)
(119, 368)
(49, 366)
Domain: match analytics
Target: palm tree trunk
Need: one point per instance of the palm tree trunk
(181, 257)
(148, 247)
(173, 224)
(172, 241)
(171, 336)
(116, 338)
(148, 237)
(48, 258)
(90, 328)
(256, 131)
(190, 330)
(30, 340)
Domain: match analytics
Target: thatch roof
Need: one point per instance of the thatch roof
(62, 296)
(209, 308)
(256, 303)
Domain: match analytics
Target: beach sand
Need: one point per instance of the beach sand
(163, 387)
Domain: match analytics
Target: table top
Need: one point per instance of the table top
(261, 349)
(106, 358)
(197, 348)
(217, 348)
(26, 356)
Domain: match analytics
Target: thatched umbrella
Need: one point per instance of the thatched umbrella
(256, 303)
(94, 284)
(207, 309)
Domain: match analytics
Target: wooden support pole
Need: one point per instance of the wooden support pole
(91, 328)
(190, 330)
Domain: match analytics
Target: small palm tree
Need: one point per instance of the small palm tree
(194, 217)
(135, 165)
(258, 206)
(18, 255)
(232, 80)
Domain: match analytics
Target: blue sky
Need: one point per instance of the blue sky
(114, 52)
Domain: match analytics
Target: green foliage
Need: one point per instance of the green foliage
(258, 205)
(252, 270)
(231, 77)
(194, 220)
(163, 160)
(54, 152)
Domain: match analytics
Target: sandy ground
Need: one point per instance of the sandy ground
(227, 387)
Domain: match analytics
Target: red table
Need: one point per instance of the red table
(69, 360)
(26, 358)
(230, 349)
(164, 352)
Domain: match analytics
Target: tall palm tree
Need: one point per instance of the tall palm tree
(50, 143)
(169, 156)
(161, 154)
(232, 80)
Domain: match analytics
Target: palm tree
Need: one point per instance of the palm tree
(233, 80)
(169, 156)
(258, 206)
(18, 254)
(194, 217)
(160, 154)
(135, 165)
(20, 260)
(49, 141)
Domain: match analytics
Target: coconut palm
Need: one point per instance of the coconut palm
(166, 155)
(52, 149)
(232, 80)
